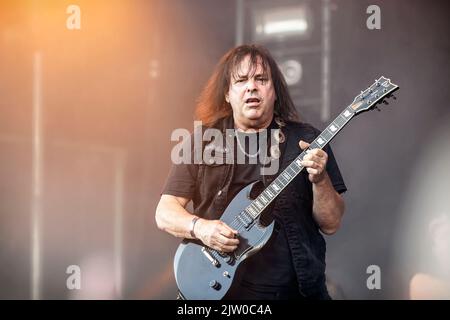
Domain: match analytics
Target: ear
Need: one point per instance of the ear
(227, 99)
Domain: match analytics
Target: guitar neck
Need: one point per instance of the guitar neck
(294, 168)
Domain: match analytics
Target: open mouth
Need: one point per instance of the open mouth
(253, 101)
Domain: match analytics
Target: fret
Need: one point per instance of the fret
(286, 176)
(278, 188)
(334, 128)
(333, 134)
(254, 207)
(251, 211)
(340, 120)
(320, 141)
(327, 135)
(281, 180)
(269, 193)
(291, 167)
(263, 198)
(302, 155)
(258, 204)
(293, 170)
(298, 162)
(245, 218)
(275, 186)
(256, 211)
(347, 114)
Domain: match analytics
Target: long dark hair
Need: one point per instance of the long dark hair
(211, 105)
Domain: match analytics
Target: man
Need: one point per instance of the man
(247, 93)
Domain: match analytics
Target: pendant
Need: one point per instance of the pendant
(275, 152)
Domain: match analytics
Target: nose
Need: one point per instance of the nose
(251, 85)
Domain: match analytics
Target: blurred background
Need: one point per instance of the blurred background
(90, 92)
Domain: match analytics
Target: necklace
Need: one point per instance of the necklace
(243, 148)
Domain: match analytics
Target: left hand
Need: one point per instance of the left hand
(315, 163)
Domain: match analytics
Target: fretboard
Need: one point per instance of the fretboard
(294, 168)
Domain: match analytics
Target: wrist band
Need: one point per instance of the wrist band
(191, 227)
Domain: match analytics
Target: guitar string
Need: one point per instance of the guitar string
(236, 222)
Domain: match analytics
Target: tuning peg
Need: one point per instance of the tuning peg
(378, 109)
(385, 102)
(394, 97)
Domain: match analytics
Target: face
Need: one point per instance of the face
(252, 96)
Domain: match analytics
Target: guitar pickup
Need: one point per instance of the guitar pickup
(213, 261)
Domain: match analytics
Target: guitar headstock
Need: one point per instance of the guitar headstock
(378, 92)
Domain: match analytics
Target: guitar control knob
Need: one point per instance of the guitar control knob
(226, 274)
(214, 284)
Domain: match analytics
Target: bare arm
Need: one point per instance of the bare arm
(172, 217)
(328, 205)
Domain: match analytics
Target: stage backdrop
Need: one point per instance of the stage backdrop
(91, 92)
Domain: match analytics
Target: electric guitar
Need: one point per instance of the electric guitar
(204, 273)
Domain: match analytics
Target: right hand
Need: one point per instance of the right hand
(216, 234)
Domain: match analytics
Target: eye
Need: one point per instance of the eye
(262, 80)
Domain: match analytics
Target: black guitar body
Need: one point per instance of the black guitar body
(202, 273)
